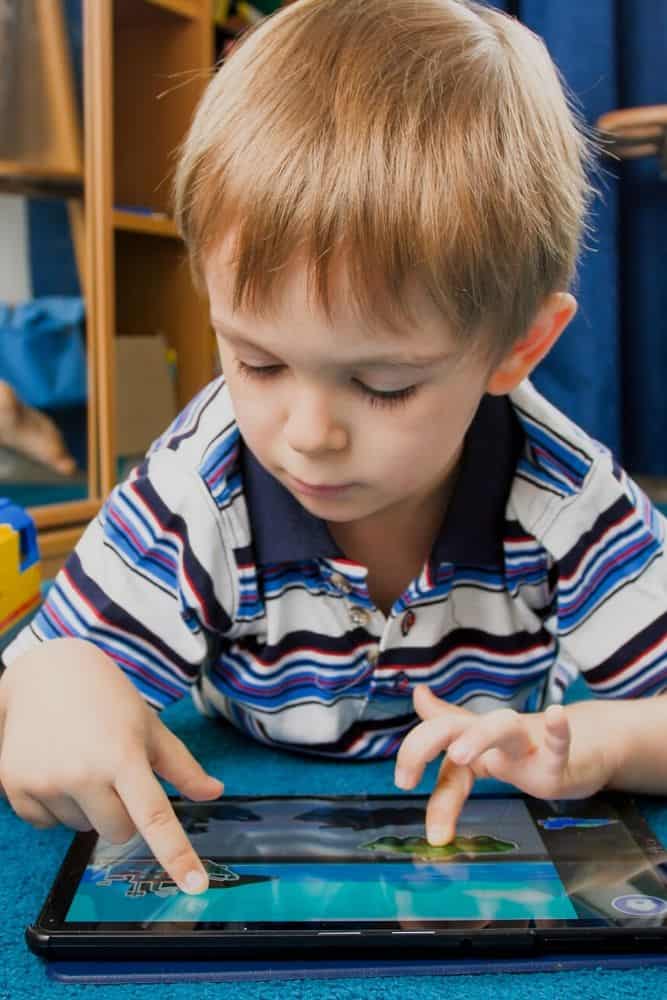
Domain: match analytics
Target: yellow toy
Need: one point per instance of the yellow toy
(220, 11)
(20, 570)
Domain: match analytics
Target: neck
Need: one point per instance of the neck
(412, 525)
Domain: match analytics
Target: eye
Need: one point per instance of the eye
(386, 397)
(257, 371)
(376, 397)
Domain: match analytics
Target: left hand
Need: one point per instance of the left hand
(531, 751)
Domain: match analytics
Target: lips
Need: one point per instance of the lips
(315, 489)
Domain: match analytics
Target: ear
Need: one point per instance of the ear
(550, 320)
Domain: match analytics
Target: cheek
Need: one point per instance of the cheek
(257, 422)
(423, 438)
(254, 411)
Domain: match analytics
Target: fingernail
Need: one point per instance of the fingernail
(402, 778)
(460, 752)
(194, 881)
(437, 836)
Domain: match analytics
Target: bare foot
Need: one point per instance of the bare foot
(32, 433)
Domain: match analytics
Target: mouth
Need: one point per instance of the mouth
(318, 489)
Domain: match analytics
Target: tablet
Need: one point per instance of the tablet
(322, 876)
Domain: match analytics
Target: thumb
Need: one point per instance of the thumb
(557, 737)
(171, 759)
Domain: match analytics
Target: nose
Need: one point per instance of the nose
(312, 426)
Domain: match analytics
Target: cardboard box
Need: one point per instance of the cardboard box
(145, 392)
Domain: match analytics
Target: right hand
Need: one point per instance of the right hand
(79, 746)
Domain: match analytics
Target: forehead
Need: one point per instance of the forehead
(294, 316)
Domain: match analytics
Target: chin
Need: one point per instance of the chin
(336, 511)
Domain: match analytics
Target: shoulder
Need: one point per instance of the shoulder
(204, 441)
(170, 512)
(558, 455)
(566, 484)
(206, 421)
(192, 473)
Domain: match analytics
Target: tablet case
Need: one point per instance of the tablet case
(227, 971)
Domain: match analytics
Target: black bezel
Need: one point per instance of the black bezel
(51, 936)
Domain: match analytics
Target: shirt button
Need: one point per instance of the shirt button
(373, 655)
(339, 581)
(407, 621)
(359, 616)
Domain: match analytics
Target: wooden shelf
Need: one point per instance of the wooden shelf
(39, 172)
(136, 222)
(159, 57)
(184, 8)
(146, 64)
(39, 180)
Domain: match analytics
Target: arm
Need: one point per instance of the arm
(121, 634)
(562, 753)
(139, 584)
(81, 747)
(609, 615)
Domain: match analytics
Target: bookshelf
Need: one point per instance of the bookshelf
(42, 155)
(150, 60)
(145, 66)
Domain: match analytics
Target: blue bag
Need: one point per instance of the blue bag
(42, 351)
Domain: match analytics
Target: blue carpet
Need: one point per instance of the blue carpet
(30, 858)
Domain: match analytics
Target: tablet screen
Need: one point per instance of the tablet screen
(364, 861)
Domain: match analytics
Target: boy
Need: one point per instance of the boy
(374, 535)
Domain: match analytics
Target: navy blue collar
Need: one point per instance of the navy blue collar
(472, 528)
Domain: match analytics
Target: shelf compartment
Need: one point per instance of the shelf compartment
(138, 222)
(155, 294)
(184, 8)
(158, 79)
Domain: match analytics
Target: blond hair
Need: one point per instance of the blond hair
(410, 139)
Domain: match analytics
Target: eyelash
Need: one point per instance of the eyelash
(394, 397)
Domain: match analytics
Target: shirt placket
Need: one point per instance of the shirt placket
(349, 579)
(405, 617)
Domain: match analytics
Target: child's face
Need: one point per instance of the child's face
(353, 423)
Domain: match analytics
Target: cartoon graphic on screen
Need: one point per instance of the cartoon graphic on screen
(460, 847)
(144, 875)
(198, 820)
(363, 819)
(576, 822)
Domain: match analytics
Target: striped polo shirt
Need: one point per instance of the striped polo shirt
(202, 573)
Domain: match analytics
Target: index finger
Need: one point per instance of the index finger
(447, 799)
(151, 812)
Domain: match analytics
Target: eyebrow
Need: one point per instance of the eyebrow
(389, 360)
